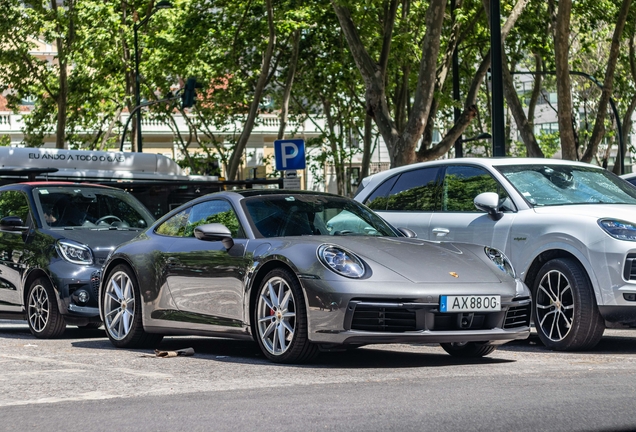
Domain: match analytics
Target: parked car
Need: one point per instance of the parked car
(631, 178)
(273, 265)
(54, 239)
(569, 229)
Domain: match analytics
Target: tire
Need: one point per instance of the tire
(43, 315)
(468, 349)
(280, 319)
(121, 309)
(564, 308)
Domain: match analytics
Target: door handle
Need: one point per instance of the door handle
(440, 232)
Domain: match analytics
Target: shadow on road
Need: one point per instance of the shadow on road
(243, 351)
(614, 343)
(20, 329)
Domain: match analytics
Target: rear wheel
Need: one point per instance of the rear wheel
(468, 349)
(280, 319)
(565, 313)
(44, 317)
(121, 309)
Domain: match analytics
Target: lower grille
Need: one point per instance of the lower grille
(95, 279)
(383, 319)
(629, 272)
(517, 316)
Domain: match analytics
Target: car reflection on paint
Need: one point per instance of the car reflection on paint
(273, 266)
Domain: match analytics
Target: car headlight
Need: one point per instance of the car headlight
(343, 262)
(76, 253)
(618, 229)
(500, 260)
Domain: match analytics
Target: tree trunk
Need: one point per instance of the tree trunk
(284, 111)
(564, 91)
(237, 154)
(599, 125)
(366, 149)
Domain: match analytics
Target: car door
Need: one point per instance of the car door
(459, 220)
(408, 200)
(204, 278)
(15, 250)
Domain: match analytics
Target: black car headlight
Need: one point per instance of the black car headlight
(74, 252)
(341, 261)
(618, 229)
(500, 260)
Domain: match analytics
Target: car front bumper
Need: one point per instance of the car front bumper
(409, 313)
(70, 280)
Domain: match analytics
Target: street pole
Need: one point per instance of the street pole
(496, 78)
(459, 151)
(137, 88)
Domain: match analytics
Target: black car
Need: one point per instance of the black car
(54, 239)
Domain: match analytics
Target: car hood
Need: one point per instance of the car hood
(101, 242)
(614, 211)
(423, 261)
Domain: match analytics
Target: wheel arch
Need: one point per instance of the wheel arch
(33, 275)
(551, 254)
(258, 278)
(105, 271)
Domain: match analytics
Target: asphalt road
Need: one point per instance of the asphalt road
(82, 383)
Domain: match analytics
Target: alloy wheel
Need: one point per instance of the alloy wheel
(38, 309)
(276, 316)
(119, 305)
(554, 306)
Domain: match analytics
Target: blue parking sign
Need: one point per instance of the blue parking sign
(289, 154)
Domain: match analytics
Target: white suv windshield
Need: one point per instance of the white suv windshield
(547, 185)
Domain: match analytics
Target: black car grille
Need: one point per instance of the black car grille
(383, 319)
(629, 272)
(95, 279)
(517, 316)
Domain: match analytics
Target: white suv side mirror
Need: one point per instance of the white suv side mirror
(489, 203)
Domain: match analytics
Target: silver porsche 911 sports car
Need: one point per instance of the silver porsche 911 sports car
(300, 272)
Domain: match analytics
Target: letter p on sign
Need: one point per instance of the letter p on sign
(289, 154)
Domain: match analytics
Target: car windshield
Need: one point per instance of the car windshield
(548, 185)
(90, 207)
(305, 214)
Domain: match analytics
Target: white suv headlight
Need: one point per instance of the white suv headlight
(618, 229)
(75, 253)
(340, 261)
(500, 260)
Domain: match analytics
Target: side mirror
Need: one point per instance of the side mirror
(215, 232)
(489, 202)
(409, 233)
(12, 223)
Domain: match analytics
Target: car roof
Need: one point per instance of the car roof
(31, 185)
(485, 162)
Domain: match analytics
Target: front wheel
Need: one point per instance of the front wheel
(565, 313)
(468, 349)
(121, 309)
(280, 319)
(44, 317)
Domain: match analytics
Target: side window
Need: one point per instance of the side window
(463, 183)
(175, 226)
(415, 191)
(378, 199)
(214, 211)
(14, 203)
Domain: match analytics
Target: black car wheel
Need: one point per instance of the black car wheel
(565, 313)
(121, 309)
(280, 319)
(468, 349)
(44, 317)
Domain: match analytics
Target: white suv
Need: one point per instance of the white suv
(569, 229)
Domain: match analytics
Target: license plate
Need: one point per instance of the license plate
(469, 303)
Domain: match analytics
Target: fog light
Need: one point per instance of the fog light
(629, 296)
(82, 296)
